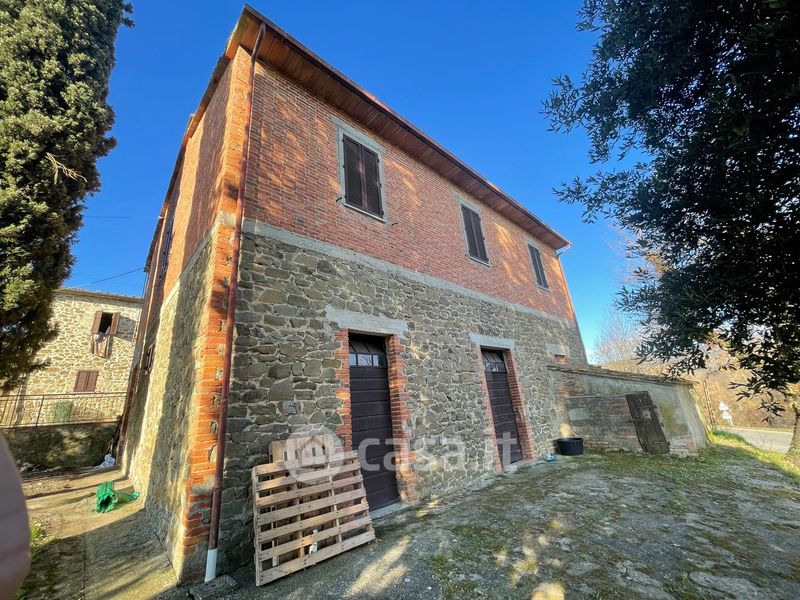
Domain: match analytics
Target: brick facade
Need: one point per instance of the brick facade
(296, 185)
(307, 260)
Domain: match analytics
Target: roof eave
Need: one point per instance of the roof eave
(436, 155)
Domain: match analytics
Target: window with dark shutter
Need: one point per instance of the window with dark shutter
(476, 246)
(538, 266)
(86, 381)
(362, 180)
(167, 243)
(105, 322)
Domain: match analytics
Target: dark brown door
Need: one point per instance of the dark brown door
(503, 413)
(371, 416)
(648, 427)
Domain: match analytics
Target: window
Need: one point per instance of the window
(86, 381)
(538, 267)
(167, 243)
(148, 358)
(362, 177)
(476, 245)
(493, 361)
(365, 352)
(105, 323)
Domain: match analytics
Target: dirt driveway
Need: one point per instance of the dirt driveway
(600, 526)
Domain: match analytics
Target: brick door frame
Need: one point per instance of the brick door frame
(521, 417)
(398, 404)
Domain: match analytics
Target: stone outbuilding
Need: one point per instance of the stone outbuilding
(88, 361)
(66, 413)
(386, 292)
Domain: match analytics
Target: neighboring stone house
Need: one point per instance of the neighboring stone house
(87, 365)
(386, 290)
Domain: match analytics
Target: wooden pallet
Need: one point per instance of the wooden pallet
(311, 493)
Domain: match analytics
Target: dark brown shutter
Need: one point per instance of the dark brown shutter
(469, 230)
(162, 268)
(80, 381)
(479, 243)
(98, 316)
(91, 381)
(114, 323)
(372, 182)
(538, 266)
(472, 227)
(86, 381)
(353, 193)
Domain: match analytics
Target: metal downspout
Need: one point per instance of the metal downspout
(230, 323)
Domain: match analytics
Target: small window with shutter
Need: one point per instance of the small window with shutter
(165, 248)
(86, 381)
(473, 233)
(538, 267)
(106, 323)
(361, 173)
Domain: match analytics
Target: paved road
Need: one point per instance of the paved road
(767, 439)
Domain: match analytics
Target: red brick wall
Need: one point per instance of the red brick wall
(518, 400)
(295, 185)
(206, 183)
(401, 419)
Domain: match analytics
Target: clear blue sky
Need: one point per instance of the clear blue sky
(470, 74)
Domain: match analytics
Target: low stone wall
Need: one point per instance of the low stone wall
(598, 395)
(49, 446)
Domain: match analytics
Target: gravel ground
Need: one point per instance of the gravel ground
(598, 526)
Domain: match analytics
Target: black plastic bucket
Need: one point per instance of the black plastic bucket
(572, 446)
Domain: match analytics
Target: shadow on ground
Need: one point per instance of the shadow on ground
(599, 526)
(78, 553)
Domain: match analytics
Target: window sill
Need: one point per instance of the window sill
(543, 288)
(362, 211)
(485, 263)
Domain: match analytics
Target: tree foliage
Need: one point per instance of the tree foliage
(56, 57)
(692, 111)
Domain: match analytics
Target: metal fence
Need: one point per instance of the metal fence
(60, 409)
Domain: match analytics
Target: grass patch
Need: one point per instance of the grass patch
(735, 445)
(680, 471)
(42, 577)
(711, 467)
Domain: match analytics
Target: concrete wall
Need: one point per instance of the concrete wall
(68, 353)
(61, 445)
(678, 413)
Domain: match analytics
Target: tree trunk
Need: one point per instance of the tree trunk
(794, 447)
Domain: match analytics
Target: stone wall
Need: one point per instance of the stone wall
(297, 294)
(158, 440)
(68, 353)
(61, 445)
(673, 399)
(22, 411)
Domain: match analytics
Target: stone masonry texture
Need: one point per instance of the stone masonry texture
(290, 369)
(596, 408)
(40, 398)
(287, 351)
(68, 353)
